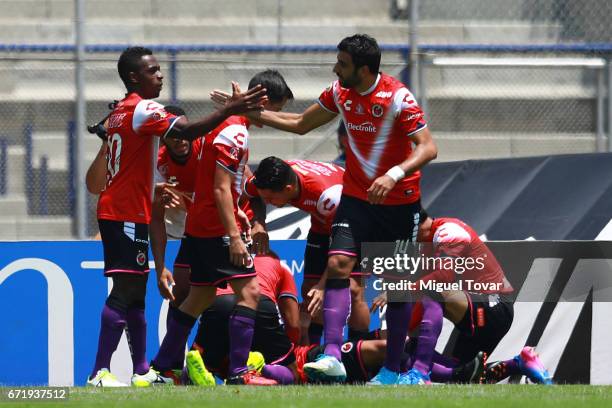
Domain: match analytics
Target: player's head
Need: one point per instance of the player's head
(277, 90)
(179, 149)
(276, 182)
(358, 59)
(140, 72)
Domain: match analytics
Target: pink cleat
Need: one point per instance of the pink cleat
(531, 366)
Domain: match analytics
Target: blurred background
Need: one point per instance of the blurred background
(496, 78)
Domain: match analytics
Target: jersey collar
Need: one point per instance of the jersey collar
(372, 88)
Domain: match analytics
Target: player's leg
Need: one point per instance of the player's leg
(359, 320)
(315, 328)
(242, 326)
(315, 262)
(429, 331)
(123, 255)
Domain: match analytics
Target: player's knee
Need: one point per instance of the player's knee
(356, 292)
(249, 294)
(340, 266)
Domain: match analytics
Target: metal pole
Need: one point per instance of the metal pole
(610, 105)
(279, 22)
(599, 115)
(79, 177)
(173, 78)
(422, 84)
(414, 47)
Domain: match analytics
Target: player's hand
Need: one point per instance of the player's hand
(239, 255)
(316, 295)
(380, 188)
(220, 97)
(166, 194)
(245, 224)
(261, 240)
(379, 302)
(165, 281)
(242, 102)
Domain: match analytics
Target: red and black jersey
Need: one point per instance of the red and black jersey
(129, 177)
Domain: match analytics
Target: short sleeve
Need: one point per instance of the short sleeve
(287, 286)
(326, 99)
(230, 147)
(249, 187)
(408, 113)
(151, 119)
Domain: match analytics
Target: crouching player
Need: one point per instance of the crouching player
(316, 188)
(276, 326)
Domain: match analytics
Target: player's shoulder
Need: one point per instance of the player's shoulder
(233, 131)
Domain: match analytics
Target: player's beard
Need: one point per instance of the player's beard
(351, 81)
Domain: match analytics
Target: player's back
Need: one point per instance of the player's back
(131, 128)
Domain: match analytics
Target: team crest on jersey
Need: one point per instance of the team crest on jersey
(159, 115)
(377, 110)
(347, 347)
(359, 109)
(141, 258)
(234, 152)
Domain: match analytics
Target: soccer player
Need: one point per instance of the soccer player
(316, 188)
(122, 173)
(388, 142)
(215, 242)
(276, 323)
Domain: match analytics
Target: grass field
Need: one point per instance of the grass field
(490, 396)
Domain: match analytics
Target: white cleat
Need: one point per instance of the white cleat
(325, 369)
(104, 378)
(152, 377)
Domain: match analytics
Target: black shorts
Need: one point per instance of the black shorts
(126, 247)
(315, 255)
(485, 323)
(351, 358)
(210, 262)
(357, 221)
(182, 260)
(269, 337)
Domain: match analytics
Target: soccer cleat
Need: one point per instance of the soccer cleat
(104, 378)
(471, 372)
(413, 377)
(531, 366)
(325, 369)
(250, 377)
(198, 374)
(152, 377)
(256, 361)
(175, 375)
(385, 377)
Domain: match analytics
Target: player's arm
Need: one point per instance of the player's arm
(157, 231)
(239, 103)
(290, 312)
(225, 206)
(300, 123)
(425, 151)
(95, 179)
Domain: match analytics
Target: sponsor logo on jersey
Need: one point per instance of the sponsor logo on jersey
(141, 258)
(347, 105)
(383, 94)
(347, 347)
(359, 110)
(414, 116)
(310, 202)
(377, 110)
(364, 127)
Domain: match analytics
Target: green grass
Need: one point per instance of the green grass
(472, 396)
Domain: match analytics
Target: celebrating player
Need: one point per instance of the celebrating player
(122, 173)
(316, 188)
(381, 198)
(215, 232)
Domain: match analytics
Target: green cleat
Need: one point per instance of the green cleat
(198, 374)
(256, 361)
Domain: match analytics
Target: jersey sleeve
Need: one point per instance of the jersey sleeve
(408, 113)
(326, 99)
(249, 188)
(230, 147)
(151, 119)
(287, 286)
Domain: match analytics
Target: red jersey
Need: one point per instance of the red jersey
(491, 272)
(225, 146)
(129, 177)
(320, 191)
(275, 280)
(184, 174)
(379, 124)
